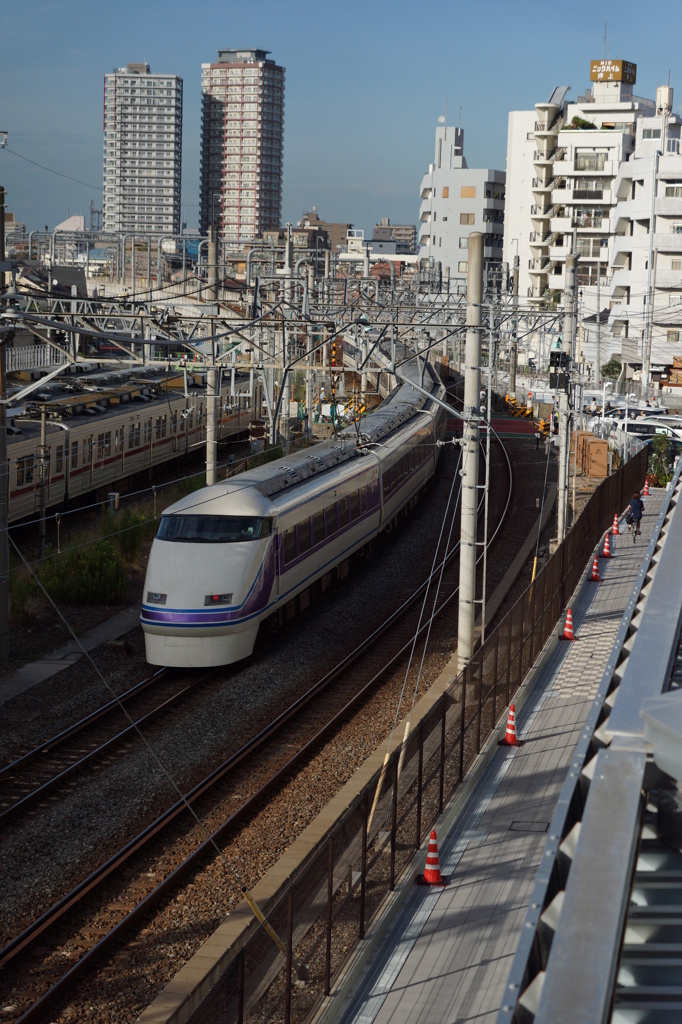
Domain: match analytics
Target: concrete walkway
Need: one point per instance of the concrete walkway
(447, 954)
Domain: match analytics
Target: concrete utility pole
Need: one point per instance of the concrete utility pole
(568, 348)
(212, 256)
(4, 468)
(651, 277)
(514, 348)
(470, 437)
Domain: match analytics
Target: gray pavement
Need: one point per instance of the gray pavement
(448, 952)
(37, 671)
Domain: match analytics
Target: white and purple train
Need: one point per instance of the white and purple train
(229, 556)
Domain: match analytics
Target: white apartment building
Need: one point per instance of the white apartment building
(142, 151)
(455, 200)
(562, 160)
(646, 250)
(242, 136)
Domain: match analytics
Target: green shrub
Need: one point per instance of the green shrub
(90, 575)
(660, 461)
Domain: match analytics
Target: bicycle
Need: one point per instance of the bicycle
(636, 531)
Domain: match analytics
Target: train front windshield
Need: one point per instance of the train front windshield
(213, 529)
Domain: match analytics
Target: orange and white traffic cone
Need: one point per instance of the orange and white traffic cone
(645, 492)
(510, 737)
(606, 553)
(595, 577)
(432, 875)
(614, 529)
(568, 627)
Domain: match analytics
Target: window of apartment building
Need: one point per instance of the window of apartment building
(673, 191)
(468, 192)
(462, 266)
(467, 218)
(588, 161)
(676, 264)
(446, 192)
(672, 336)
(464, 242)
(651, 133)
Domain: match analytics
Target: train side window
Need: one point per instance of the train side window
(331, 519)
(354, 505)
(386, 481)
(362, 495)
(289, 544)
(120, 439)
(304, 536)
(174, 422)
(398, 471)
(147, 431)
(318, 527)
(343, 512)
(104, 444)
(59, 459)
(87, 451)
(74, 455)
(25, 470)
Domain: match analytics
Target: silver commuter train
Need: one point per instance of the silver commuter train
(229, 556)
(98, 437)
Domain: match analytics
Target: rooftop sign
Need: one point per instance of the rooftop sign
(613, 71)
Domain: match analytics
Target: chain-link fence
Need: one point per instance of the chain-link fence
(326, 909)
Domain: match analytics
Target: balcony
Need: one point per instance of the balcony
(668, 206)
(667, 242)
(669, 279)
(561, 224)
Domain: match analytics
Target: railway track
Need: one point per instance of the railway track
(93, 918)
(43, 773)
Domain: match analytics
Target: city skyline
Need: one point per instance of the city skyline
(364, 91)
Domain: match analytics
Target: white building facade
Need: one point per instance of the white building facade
(646, 251)
(142, 151)
(562, 160)
(455, 200)
(242, 138)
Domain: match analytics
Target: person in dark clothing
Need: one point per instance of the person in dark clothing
(636, 509)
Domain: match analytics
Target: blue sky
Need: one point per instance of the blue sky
(365, 84)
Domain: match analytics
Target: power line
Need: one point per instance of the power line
(51, 170)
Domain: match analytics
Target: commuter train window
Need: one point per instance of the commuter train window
(87, 451)
(386, 481)
(193, 529)
(25, 471)
(59, 459)
(398, 472)
(318, 527)
(174, 423)
(289, 545)
(147, 431)
(331, 519)
(74, 455)
(354, 505)
(362, 497)
(304, 536)
(104, 444)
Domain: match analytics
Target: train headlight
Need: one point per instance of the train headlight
(154, 598)
(214, 599)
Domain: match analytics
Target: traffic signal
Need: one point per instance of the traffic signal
(560, 360)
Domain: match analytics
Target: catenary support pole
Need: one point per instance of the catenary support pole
(514, 347)
(568, 348)
(470, 438)
(4, 469)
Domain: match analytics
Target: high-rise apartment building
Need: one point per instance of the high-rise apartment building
(456, 200)
(242, 134)
(142, 151)
(562, 159)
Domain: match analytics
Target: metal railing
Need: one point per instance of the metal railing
(325, 911)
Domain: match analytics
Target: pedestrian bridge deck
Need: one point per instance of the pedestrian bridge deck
(447, 953)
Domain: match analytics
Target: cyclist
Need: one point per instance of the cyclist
(635, 511)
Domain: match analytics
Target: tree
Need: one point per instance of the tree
(660, 462)
(612, 368)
